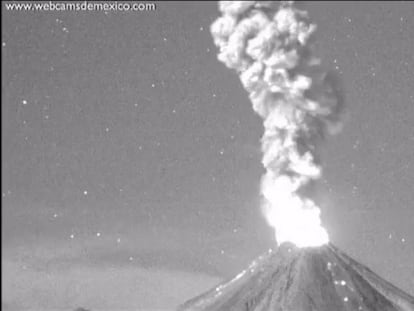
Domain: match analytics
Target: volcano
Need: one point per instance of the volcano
(303, 279)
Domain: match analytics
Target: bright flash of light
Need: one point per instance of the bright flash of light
(268, 43)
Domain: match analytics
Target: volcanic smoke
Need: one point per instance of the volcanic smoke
(269, 47)
(268, 44)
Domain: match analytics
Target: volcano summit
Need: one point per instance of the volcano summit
(269, 45)
(303, 279)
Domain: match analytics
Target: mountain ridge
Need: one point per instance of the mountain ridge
(303, 279)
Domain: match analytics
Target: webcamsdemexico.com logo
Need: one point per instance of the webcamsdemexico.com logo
(80, 6)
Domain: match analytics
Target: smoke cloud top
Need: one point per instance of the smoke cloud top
(268, 43)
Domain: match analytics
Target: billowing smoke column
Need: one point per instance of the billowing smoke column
(268, 44)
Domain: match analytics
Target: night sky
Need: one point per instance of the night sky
(131, 158)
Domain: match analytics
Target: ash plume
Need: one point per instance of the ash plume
(269, 45)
